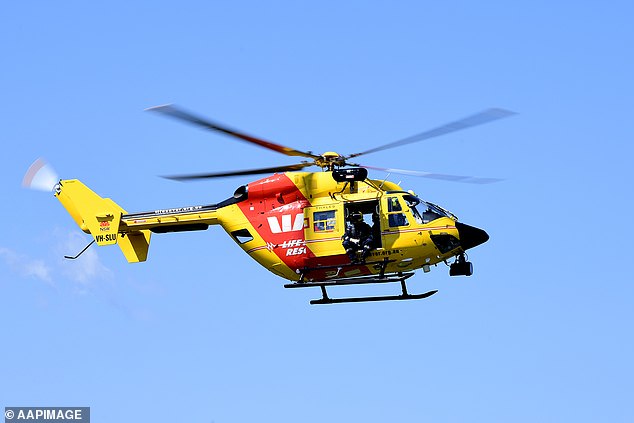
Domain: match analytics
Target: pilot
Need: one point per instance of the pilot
(358, 237)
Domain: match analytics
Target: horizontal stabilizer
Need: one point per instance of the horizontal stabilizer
(135, 245)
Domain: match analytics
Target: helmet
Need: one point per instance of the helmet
(356, 216)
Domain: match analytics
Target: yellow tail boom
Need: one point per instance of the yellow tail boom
(109, 223)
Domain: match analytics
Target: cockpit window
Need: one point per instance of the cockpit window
(430, 211)
(430, 214)
(393, 205)
(395, 216)
(412, 202)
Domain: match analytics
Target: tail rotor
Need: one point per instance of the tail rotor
(40, 176)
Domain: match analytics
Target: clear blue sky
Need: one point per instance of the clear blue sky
(200, 333)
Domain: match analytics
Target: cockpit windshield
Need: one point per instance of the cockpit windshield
(430, 211)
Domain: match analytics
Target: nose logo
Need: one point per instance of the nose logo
(288, 224)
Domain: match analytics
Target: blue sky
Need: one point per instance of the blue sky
(200, 333)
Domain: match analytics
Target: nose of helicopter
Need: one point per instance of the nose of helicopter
(471, 236)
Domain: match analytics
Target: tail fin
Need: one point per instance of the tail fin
(101, 218)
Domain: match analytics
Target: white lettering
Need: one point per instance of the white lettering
(296, 251)
(178, 210)
(286, 223)
(274, 225)
(293, 243)
(49, 414)
(287, 226)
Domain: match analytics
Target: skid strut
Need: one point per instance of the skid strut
(398, 277)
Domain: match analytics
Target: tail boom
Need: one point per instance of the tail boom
(109, 223)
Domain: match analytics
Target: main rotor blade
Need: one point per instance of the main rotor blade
(173, 111)
(441, 176)
(191, 177)
(480, 118)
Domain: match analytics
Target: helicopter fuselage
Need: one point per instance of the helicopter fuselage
(293, 221)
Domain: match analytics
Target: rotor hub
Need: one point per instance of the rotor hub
(330, 160)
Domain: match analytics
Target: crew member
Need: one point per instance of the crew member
(358, 237)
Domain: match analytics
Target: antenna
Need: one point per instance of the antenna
(388, 175)
(80, 253)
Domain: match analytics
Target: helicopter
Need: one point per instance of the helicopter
(292, 221)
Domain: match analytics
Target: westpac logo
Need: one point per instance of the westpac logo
(288, 224)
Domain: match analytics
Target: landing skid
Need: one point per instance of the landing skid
(399, 277)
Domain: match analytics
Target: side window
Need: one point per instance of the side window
(394, 217)
(242, 236)
(393, 205)
(397, 219)
(324, 221)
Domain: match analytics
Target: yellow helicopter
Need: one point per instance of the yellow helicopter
(316, 229)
